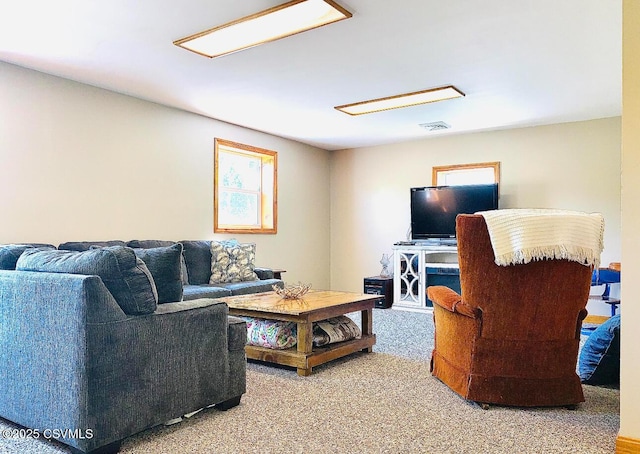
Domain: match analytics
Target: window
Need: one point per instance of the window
(245, 189)
(459, 174)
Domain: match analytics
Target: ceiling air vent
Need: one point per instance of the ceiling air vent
(435, 126)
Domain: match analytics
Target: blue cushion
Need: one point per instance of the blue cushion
(147, 244)
(197, 255)
(599, 362)
(125, 275)
(243, 288)
(9, 253)
(164, 265)
(192, 292)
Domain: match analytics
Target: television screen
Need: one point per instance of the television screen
(434, 208)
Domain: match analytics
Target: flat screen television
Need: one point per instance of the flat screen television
(434, 208)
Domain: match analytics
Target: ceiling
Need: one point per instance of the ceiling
(520, 63)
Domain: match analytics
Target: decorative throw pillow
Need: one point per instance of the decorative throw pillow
(281, 335)
(232, 262)
(164, 265)
(125, 275)
(271, 333)
(336, 329)
(599, 362)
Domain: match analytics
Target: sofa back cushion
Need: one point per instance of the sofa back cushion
(197, 256)
(164, 263)
(9, 253)
(148, 244)
(86, 245)
(124, 274)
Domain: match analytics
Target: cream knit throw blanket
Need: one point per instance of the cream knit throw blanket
(523, 235)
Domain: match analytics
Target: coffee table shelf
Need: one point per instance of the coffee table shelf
(314, 306)
(305, 362)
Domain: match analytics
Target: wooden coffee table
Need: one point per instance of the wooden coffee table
(314, 306)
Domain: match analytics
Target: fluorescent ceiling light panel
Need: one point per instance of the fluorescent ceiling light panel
(269, 25)
(406, 100)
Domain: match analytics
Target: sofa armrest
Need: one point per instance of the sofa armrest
(44, 319)
(169, 363)
(451, 301)
(263, 273)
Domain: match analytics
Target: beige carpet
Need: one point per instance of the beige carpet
(379, 403)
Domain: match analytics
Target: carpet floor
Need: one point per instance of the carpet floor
(382, 402)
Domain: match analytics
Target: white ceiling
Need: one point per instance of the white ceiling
(519, 62)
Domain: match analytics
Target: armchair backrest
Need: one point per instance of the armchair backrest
(541, 300)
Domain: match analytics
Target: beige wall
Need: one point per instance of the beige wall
(630, 356)
(81, 163)
(570, 166)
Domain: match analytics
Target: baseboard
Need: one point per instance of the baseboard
(597, 319)
(625, 445)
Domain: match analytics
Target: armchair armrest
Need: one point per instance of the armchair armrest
(451, 301)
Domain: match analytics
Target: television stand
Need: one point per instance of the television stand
(416, 266)
(437, 242)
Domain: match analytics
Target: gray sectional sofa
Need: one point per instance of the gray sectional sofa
(101, 340)
(196, 265)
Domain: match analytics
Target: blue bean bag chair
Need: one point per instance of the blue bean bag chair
(599, 362)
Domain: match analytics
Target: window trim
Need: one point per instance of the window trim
(265, 155)
(495, 165)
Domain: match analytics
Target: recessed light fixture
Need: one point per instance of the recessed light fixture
(398, 101)
(274, 23)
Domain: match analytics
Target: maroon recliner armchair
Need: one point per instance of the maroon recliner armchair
(512, 338)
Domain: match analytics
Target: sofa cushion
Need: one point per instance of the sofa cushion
(147, 244)
(164, 265)
(86, 245)
(9, 253)
(192, 292)
(125, 275)
(232, 262)
(243, 288)
(197, 256)
(599, 362)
